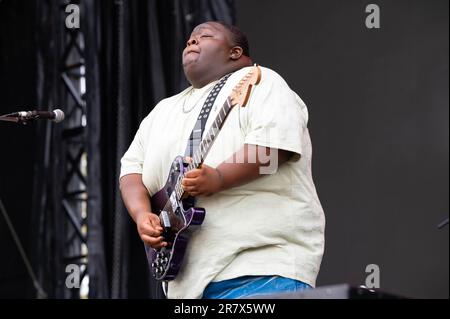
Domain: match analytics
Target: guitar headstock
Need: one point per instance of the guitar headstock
(241, 92)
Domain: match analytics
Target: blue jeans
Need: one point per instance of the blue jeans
(251, 286)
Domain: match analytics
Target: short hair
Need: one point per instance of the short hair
(237, 37)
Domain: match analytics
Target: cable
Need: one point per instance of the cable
(41, 294)
(443, 224)
(165, 287)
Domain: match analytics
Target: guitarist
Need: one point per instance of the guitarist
(264, 227)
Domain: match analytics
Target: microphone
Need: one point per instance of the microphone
(25, 116)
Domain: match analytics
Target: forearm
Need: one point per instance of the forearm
(249, 163)
(135, 195)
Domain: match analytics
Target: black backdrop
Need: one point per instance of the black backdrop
(378, 102)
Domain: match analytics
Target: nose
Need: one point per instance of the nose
(192, 41)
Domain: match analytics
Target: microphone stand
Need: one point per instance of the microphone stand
(15, 119)
(41, 294)
(5, 118)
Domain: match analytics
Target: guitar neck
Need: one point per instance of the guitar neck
(206, 143)
(210, 136)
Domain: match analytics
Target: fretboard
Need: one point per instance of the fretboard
(207, 141)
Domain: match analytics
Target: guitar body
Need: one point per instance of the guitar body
(178, 223)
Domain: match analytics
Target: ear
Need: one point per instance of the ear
(236, 53)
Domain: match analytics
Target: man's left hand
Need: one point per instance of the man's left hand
(202, 181)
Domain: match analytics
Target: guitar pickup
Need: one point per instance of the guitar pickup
(165, 221)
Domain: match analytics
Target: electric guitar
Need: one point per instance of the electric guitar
(176, 209)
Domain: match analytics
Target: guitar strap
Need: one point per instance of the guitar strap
(197, 132)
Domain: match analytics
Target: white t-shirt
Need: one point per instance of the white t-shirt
(273, 225)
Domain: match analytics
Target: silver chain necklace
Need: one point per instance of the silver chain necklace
(188, 96)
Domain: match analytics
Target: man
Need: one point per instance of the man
(264, 225)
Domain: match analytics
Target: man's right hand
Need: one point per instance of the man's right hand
(150, 230)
